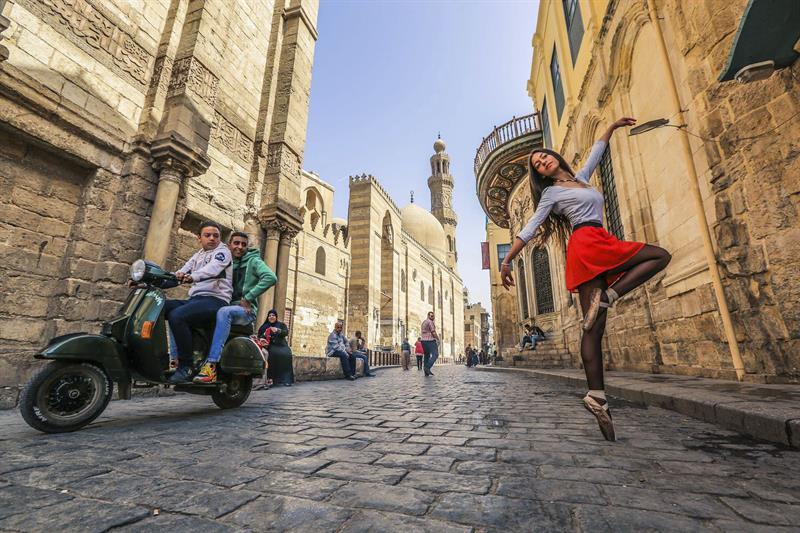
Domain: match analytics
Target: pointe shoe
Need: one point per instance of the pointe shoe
(599, 408)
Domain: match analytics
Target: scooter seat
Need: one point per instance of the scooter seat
(240, 331)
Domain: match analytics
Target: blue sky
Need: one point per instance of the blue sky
(389, 75)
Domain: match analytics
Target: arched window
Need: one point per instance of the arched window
(542, 282)
(402, 280)
(422, 291)
(319, 268)
(523, 289)
(449, 243)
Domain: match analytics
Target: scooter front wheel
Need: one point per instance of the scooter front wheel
(235, 393)
(64, 396)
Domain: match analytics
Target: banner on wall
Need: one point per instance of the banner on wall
(485, 256)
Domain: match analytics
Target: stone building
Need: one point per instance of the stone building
(476, 326)
(382, 269)
(506, 330)
(718, 191)
(123, 124)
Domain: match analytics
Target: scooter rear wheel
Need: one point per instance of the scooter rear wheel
(237, 391)
(64, 396)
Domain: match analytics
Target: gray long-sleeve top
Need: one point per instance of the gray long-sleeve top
(577, 204)
(336, 341)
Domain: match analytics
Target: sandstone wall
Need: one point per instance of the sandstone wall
(88, 87)
(318, 299)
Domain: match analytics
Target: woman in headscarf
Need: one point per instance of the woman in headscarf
(280, 369)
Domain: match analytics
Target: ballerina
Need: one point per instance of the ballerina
(600, 267)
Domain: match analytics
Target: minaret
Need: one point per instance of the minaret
(441, 185)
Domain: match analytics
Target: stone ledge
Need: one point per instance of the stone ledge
(767, 412)
(306, 368)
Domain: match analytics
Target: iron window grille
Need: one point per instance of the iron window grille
(542, 282)
(608, 185)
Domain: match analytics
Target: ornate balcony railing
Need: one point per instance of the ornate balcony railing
(500, 135)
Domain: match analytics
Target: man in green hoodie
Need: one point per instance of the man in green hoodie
(251, 277)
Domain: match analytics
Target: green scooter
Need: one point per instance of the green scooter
(132, 350)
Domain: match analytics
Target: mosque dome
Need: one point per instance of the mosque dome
(439, 146)
(425, 229)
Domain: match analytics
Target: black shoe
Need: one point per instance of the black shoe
(430, 373)
(181, 375)
(370, 375)
(351, 378)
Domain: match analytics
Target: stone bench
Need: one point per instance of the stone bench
(307, 368)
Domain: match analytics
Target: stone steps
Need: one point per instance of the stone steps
(548, 354)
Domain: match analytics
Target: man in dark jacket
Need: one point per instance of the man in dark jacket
(251, 278)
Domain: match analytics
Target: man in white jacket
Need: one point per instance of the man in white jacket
(210, 273)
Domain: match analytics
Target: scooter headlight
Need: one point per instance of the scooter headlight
(138, 269)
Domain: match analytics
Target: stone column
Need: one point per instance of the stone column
(175, 160)
(271, 259)
(284, 250)
(159, 232)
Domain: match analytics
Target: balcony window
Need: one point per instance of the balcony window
(572, 14)
(613, 218)
(502, 252)
(542, 281)
(558, 88)
(545, 119)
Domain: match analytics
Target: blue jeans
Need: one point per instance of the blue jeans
(431, 353)
(182, 315)
(358, 354)
(535, 338)
(348, 362)
(230, 314)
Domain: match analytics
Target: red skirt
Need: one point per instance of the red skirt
(592, 252)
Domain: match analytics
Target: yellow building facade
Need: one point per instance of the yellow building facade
(715, 191)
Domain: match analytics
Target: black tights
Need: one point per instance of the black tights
(649, 261)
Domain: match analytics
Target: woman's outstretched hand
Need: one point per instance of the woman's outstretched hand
(505, 276)
(624, 121)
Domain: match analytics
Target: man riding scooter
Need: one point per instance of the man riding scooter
(251, 278)
(210, 273)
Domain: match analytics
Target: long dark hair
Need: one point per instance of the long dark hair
(558, 224)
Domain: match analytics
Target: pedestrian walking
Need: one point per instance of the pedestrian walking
(419, 351)
(405, 351)
(430, 343)
(600, 268)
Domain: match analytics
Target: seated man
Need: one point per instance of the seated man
(339, 347)
(536, 334)
(526, 337)
(358, 347)
(251, 278)
(209, 272)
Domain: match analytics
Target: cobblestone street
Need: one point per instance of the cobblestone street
(463, 451)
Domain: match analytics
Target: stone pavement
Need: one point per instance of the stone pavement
(765, 411)
(462, 451)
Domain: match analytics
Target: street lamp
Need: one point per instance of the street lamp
(651, 125)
